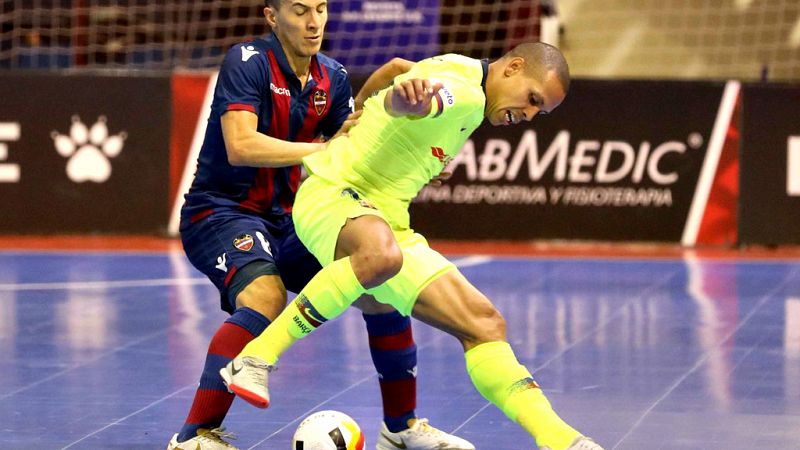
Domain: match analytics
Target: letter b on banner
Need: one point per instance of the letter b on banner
(793, 166)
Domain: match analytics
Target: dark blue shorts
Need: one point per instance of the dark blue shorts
(221, 244)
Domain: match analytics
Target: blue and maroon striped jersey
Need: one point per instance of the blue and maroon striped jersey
(255, 76)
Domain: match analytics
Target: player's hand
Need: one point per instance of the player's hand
(441, 178)
(350, 122)
(412, 97)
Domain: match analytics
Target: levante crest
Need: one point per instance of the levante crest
(320, 102)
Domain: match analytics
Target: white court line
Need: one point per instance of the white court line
(102, 284)
(461, 262)
(578, 341)
(700, 362)
(118, 421)
(339, 394)
(53, 286)
(84, 363)
(313, 408)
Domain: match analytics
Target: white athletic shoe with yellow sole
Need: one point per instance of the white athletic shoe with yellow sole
(420, 436)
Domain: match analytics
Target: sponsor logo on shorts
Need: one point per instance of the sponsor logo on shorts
(355, 196)
(320, 102)
(222, 262)
(243, 242)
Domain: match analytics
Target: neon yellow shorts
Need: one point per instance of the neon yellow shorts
(321, 210)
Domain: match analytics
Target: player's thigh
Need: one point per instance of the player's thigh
(296, 264)
(225, 244)
(452, 304)
(320, 211)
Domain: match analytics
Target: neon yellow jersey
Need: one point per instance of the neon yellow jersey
(389, 159)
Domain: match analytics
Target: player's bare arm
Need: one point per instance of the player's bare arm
(247, 147)
(411, 98)
(381, 78)
(441, 178)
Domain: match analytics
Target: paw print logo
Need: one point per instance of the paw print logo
(88, 150)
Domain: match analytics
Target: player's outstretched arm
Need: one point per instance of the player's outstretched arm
(247, 147)
(381, 78)
(411, 98)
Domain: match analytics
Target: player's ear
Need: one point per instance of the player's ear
(514, 66)
(269, 15)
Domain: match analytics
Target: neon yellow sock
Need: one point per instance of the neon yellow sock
(502, 380)
(326, 296)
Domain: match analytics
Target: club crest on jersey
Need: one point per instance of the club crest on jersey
(320, 102)
(243, 242)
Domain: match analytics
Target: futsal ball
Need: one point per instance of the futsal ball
(328, 430)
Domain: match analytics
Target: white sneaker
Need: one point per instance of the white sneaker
(581, 443)
(205, 440)
(420, 436)
(247, 378)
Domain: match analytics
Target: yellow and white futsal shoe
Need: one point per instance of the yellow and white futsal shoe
(420, 436)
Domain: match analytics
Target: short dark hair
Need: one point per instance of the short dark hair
(272, 3)
(541, 58)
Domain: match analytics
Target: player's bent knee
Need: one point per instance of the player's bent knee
(265, 294)
(374, 266)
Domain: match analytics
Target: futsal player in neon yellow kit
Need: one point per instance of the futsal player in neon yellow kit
(352, 214)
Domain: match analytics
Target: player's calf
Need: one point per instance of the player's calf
(483, 324)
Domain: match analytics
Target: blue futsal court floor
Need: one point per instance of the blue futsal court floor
(103, 350)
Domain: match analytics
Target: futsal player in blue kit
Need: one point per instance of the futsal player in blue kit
(275, 96)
